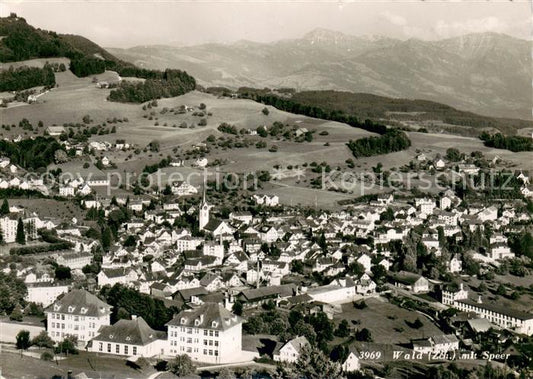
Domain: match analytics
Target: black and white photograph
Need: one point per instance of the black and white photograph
(274, 189)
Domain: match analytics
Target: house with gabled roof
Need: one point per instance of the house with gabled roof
(129, 338)
(290, 351)
(211, 282)
(218, 228)
(112, 276)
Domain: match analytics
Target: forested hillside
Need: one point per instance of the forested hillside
(20, 41)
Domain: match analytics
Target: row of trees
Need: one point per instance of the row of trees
(391, 141)
(20, 78)
(293, 106)
(513, 143)
(172, 83)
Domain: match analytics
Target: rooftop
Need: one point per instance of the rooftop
(206, 316)
(80, 302)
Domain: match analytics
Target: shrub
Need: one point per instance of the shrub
(47, 356)
(182, 365)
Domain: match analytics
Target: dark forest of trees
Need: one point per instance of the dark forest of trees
(292, 106)
(128, 301)
(30, 153)
(16, 79)
(171, 83)
(513, 143)
(393, 140)
(85, 66)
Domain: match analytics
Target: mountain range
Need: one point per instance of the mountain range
(486, 73)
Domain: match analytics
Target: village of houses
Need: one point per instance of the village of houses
(219, 272)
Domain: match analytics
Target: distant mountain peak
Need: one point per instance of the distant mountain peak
(326, 35)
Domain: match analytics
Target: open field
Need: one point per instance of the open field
(15, 366)
(386, 322)
(75, 97)
(50, 208)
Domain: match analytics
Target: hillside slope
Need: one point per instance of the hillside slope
(20, 41)
(486, 73)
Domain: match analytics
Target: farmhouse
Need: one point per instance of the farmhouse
(55, 131)
(413, 282)
(290, 352)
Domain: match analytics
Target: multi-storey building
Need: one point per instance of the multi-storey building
(78, 313)
(8, 225)
(209, 333)
(504, 317)
(449, 296)
(45, 293)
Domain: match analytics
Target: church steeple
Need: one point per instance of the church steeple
(203, 217)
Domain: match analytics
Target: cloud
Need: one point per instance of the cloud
(394, 18)
(488, 24)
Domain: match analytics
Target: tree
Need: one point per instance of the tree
(453, 155)
(237, 308)
(301, 328)
(67, 346)
(16, 314)
(379, 272)
(4, 210)
(23, 340)
(12, 292)
(130, 241)
(107, 238)
(43, 340)
(21, 235)
(323, 327)
(62, 273)
(265, 111)
(339, 353)
(226, 373)
(182, 365)
(356, 269)
(314, 364)
(123, 314)
(297, 266)
(363, 335)
(342, 330)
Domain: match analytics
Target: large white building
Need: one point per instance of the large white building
(504, 317)
(130, 338)
(45, 293)
(78, 313)
(8, 226)
(209, 333)
(74, 260)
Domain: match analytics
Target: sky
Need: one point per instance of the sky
(131, 23)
